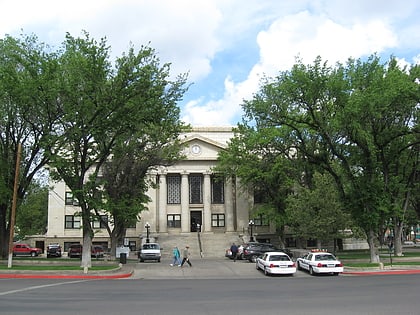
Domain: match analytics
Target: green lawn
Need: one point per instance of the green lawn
(53, 267)
(364, 254)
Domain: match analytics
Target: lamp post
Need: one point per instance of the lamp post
(251, 225)
(147, 226)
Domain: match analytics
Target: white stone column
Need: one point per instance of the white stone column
(207, 204)
(162, 226)
(185, 202)
(229, 211)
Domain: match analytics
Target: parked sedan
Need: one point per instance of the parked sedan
(320, 262)
(276, 263)
(253, 250)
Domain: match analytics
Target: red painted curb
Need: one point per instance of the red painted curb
(47, 276)
(390, 272)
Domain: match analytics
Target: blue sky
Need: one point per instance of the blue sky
(226, 46)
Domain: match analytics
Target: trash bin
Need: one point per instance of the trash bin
(123, 258)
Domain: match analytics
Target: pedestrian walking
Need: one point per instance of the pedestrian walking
(234, 251)
(186, 256)
(176, 257)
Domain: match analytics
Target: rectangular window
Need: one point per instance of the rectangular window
(100, 223)
(70, 200)
(196, 189)
(217, 190)
(261, 220)
(217, 220)
(173, 184)
(260, 196)
(174, 220)
(72, 222)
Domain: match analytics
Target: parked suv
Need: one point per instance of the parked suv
(75, 250)
(25, 250)
(54, 250)
(97, 251)
(149, 251)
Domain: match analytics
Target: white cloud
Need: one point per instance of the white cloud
(300, 35)
(191, 33)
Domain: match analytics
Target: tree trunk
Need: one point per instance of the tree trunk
(318, 244)
(398, 229)
(87, 242)
(374, 255)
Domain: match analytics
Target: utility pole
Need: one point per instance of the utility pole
(13, 211)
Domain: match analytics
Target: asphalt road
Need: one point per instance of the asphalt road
(209, 287)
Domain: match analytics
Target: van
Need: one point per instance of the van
(149, 251)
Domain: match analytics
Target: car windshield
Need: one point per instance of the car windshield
(278, 258)
(150, 246)
(324, 257)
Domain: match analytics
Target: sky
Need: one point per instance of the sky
(227, 46)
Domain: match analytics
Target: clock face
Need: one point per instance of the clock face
(195, 149)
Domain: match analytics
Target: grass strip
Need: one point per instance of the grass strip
(56, 268)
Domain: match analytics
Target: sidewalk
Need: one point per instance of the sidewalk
(210, 268)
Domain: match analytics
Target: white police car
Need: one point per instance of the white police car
(320, 262)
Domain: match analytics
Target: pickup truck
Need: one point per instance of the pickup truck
(26, 250)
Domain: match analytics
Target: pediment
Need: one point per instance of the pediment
(198, 147)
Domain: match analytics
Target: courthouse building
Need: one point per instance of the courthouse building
(189, 206)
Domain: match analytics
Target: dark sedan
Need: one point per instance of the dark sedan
(254, 250)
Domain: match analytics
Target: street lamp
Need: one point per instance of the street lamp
(147, 226)
(251, 225)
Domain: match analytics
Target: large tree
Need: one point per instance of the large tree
(317, 212)
(32, 214)
(125, 176)
(28, 110)
(103, 105)
(358, 122)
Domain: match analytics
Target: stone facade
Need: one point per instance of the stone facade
(188, 200)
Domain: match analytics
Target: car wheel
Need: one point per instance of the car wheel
(298, 266)
(158, 260)
(266, 272)
(311, 271)
(141, 260)
(253, 258)
(335, 273)
(33, 254)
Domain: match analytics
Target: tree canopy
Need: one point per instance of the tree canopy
(73, 109)
(356, 121)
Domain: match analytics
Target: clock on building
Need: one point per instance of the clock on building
(195, 148)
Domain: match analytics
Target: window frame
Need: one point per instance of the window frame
(75, 222)
(218, 220)
(173, 221)
(217, 185)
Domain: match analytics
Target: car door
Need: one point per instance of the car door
(307, 261)
(262, 261)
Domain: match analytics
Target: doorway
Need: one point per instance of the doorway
(195, 220)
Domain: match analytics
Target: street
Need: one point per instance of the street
(184, 291)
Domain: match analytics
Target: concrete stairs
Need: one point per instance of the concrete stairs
(201, 245)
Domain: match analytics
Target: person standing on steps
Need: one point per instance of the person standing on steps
(186, 256)
(176, 257)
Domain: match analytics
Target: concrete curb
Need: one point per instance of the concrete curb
(382, 272)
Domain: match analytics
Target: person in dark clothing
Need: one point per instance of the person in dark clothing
(234, 251)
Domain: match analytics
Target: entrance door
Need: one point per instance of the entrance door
(195, 219)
